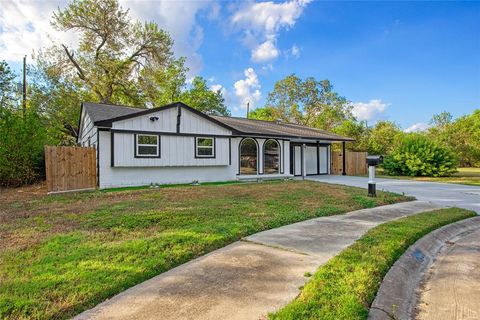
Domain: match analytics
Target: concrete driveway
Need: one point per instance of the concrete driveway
(441, 194)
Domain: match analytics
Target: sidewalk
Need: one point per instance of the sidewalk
(249, 278)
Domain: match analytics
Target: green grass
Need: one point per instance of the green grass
(62, 254)
(468, 176)
(345, 287)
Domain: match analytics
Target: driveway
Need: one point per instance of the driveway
(249, 278)
(441, 194)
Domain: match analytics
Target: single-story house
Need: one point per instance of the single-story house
(178, 144)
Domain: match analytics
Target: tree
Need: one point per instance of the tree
(22, 137)
(417, 155)
(441, 120)
(308, 102)
(265, 113)
(357, 130)
(383, 137)
(202, 98)
(112, 50)
(7, 85)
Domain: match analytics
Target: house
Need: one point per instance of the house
(178, 144)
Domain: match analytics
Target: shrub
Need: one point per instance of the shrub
(22, 137)
(418, 156)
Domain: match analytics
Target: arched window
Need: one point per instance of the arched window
(248, 156)
(271, 157)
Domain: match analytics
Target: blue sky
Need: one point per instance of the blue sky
(401, 61)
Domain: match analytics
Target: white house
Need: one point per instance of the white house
(178, 144)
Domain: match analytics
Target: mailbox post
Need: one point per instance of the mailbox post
(372, 162)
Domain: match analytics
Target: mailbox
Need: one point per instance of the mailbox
(374, 160)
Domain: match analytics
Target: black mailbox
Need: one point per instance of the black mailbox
(374, 160)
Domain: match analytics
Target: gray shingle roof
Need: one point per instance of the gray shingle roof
(273, 128)
(100, 111)
(240, 126)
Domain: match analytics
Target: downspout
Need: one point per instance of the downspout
(344, 169)
(304, 162)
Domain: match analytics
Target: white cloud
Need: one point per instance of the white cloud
(265, 52)
(248, 90)
(369, 111)
(261, 23)
(25, 27)
(417, 127)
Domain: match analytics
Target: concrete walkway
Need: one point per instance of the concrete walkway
(452, 289)
(442, 194)
(250, 278)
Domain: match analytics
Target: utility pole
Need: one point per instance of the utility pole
(24, 84)
(248, 108)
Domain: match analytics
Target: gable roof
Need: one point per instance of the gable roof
(103, 115)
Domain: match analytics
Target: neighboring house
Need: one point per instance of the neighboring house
(178, 144)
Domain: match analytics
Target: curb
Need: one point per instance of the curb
(397, 296)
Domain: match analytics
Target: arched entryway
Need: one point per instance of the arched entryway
(271, 157)
(248, 156)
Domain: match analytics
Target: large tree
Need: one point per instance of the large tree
(7, 85)
(113, 50)
(309, 102)
(201, 97)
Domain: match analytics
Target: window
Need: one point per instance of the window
(147, 145)
(204, 147)
(271, 157)
(248, 156)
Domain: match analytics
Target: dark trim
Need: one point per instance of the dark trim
(286, 137)
(282, 163)
(98, 158)
(103, 129)
(204, 157)
(112, 160)
(108, 122)
(344, 169)
(318, 157)
(229, 151)
(240, 154)
(179, 116)
(135, 155)
(167, 133)
(279, 154)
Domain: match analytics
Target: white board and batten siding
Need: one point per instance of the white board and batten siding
(87, 132)
(175, 151)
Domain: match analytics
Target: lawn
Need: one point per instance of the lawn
(60, 255)
(468, 176)
(346, 286)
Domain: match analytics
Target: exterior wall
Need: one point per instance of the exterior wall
(87, 132)
(136, 176)
(174, 151)
(167, 122)
(193, 123)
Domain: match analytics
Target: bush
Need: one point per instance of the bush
(418, 156)
(22, 137)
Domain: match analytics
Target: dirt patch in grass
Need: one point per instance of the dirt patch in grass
(62, 254)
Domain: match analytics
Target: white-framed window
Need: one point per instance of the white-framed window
(204, 147)
(147, 146)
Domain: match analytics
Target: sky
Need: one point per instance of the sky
(398, 61)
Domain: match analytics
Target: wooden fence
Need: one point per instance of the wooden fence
(355, 163)
(70, 168)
